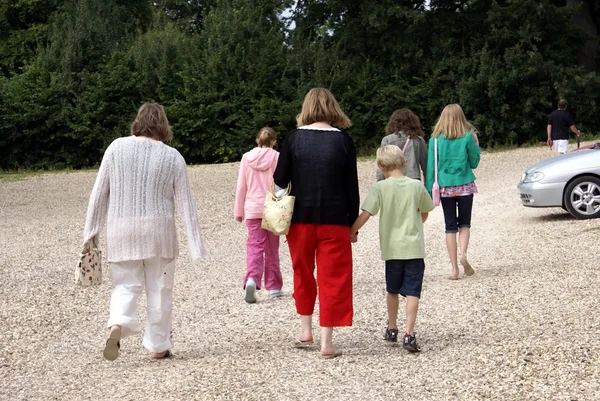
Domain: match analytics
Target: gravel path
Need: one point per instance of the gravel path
(525, 327)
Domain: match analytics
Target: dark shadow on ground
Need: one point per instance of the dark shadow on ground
(551, 217)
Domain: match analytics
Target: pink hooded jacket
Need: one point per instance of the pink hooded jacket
(256, 175)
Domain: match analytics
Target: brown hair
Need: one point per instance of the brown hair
(151, 121)
(562, 104)
(452, 123)
(266, 136)
(406, 121)
(320, 106)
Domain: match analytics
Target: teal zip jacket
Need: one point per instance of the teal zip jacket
(456, 160)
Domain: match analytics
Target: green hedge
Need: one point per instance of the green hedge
(225, 68)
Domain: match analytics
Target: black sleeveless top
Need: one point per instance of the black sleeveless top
(321, 165)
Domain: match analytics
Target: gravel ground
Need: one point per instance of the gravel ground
(525, 327)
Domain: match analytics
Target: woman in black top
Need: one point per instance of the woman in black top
(320, 162)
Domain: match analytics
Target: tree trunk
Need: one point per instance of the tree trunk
(583, 19)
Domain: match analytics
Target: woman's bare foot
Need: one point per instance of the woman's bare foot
(329, 353)
(454, 275)
(303, 340)
(305, 337)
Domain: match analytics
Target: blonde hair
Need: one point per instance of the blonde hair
(151, 121)
(320, 106)
(452, 123)
(266, 136)
(390, 157)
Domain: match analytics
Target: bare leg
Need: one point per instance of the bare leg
(392, 308)
(463, 238)
(412, 307)
(306, 328)
(452, 249)
(327, 342)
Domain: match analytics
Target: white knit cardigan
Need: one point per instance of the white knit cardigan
(138, 183)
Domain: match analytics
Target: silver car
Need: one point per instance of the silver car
(570, 181)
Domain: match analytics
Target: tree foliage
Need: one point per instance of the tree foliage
(24, 27)
(74, 72)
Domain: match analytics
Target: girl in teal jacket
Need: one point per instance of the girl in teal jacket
(458, 154)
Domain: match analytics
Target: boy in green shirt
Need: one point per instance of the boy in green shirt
(404, 205)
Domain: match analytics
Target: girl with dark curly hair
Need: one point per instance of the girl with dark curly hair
(403, 126)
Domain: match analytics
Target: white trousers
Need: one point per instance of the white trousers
(128, 279)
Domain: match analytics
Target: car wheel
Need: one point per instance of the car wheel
(582, 197)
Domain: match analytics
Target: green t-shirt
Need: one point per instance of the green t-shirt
(401, 201)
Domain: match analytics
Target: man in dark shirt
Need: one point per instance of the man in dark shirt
(559, 123)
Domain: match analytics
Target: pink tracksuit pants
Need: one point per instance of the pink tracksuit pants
(262, 256)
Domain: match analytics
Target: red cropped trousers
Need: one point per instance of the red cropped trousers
(331, 248)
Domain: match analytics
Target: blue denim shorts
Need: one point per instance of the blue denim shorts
(404, 277)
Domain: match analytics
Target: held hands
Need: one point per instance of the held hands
(353, 236)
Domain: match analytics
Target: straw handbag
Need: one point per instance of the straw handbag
(88, 271)
(277, 212)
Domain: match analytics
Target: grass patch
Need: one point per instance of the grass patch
(505, 148)
(20, 175)
(592, 229)
(367, 154)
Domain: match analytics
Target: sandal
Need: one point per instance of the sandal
(302, 344)
(113, 345)
(467, 266)
(332, 355)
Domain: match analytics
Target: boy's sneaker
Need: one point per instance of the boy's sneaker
(410, 343)
(250, 296)
(391, 335)
(275, 293)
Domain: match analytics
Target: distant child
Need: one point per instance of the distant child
(262, 246)
(404, 130)
(458, 154)
(404, 204)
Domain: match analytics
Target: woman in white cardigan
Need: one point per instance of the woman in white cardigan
(139, 181)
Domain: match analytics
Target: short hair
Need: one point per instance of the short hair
(390, 157)
(265, 137)
(151, 121)
(404, 120)
(452, 123)
(562, 104)
(320, 106)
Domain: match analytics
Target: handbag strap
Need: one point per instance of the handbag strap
(406, 144)
(288, 190)
(435, 159)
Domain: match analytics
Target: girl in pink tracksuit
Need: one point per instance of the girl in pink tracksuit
(262, 246)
